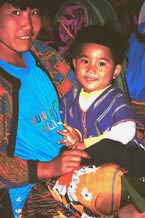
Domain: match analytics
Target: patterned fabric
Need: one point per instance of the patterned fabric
(102, 197)
(60, 72)
(5, 98)
(41, 203)
(9, 177)
(64, 80)
(109, 109)
(139, 107)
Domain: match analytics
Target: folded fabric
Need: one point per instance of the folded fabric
(91, 189)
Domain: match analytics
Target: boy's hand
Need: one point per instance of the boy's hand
(79, 145)
(71, 136)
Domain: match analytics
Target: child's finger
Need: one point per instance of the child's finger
(63, 133)
(61, 141)
(67, 127)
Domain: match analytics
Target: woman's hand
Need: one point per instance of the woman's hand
(65, 162)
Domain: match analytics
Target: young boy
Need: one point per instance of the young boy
(98, 110)
(98, 113)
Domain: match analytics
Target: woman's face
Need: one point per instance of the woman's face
(18, 28)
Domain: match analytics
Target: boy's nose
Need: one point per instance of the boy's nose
(92, 68)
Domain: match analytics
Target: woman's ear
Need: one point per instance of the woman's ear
(117, 71)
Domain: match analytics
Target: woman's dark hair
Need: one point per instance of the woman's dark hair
(23, 4)
(104, 35)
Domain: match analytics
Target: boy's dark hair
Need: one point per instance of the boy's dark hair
(23, 4)
(115, 41)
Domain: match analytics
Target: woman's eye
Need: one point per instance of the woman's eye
(35, 12)
(16, 12)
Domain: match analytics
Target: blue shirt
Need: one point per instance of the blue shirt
(38, 120)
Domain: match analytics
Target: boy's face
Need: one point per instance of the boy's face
(94, 67)
(18, 28)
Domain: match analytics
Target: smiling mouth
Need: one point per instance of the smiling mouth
(90, 78)
(25, 37)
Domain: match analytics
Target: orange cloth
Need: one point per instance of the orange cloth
(95, 188)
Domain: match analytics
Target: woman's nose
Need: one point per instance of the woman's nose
(27, 21)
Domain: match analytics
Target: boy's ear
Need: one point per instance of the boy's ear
(74, 62)
(117, 71)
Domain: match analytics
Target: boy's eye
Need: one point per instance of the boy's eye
(101, 64)
(84, 61)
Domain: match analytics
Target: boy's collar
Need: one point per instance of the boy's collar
(97, 92)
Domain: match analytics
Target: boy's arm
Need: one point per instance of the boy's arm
(123, 132)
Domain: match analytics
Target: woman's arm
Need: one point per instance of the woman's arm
(16, 172)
